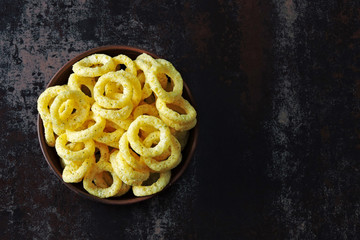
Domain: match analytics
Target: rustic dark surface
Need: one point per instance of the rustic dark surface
(277, 86)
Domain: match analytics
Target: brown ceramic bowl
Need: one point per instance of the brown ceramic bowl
(52, 158)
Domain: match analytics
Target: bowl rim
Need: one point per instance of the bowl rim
(112, 201)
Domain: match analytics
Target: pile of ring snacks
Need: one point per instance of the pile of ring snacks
(116, 129)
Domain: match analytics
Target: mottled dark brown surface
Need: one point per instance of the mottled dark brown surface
(277, 86)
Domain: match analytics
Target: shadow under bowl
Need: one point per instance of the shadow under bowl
(61, 78)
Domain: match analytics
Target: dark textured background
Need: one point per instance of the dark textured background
(277, 86)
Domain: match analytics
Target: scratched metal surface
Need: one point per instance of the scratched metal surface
(277, 87)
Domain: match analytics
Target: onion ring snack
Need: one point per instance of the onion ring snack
(130, 157)
(73, 155)
(76, 82)
(118, 124)
(74, 120)
(165, 68)
(157, 186)
(107, 102)
(165, 164)
(125, 60)
(99, 191)
(137, 144)
(94, 65)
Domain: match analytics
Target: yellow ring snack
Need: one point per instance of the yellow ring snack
(145, 109)
(107, 102)
(145, 87)
(73, 147)
(72, 155)
(88, 133)
(103, 151)
(179, 126)
(130, 65)
(99, 191)
(49, 133)
(76, 119)
(142, 67)
(113, 114)
(77, 82)
(94, 65)
(147, 59)
(124, 189)
(74, 172)
(66, 109)
(117, 130)
(137, 93)
(189, 116)
(104, 180)
(110, 135)
(181, 120)
(126, 173)
(164, 165)
(137, 144)
(181, 136)
(165, 68)
(130, 157)
(157, 186)
(45, 100)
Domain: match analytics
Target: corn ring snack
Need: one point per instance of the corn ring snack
(129, 172)
(137, 93)
(76, 82)
(113, 114)
(66, 109)
(120, 117)
(169, 113)
(99, 191)
(73, 155)
(144, 62)
(110, 135)
(164, 165)
(74, 172)
(145, 87)
(130, 157)
(107, 102)
(88, 133)
(124, 124)
(57, 130)
(178, 126)
(137, 144)
(45, 100)
(147, 59)
(165, 82)
(76, 119)
(49, 133)
(189, 116)
(145, 109)
(94, 65)
(143, 65)
(73, 147)
(164, 68)
(153, 188)
(113, 89)
(104, 180)
(103, 152)
(181, 136)
(124, 189)
(125, 60)
(126, 173)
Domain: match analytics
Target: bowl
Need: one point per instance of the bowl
(60, 78)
